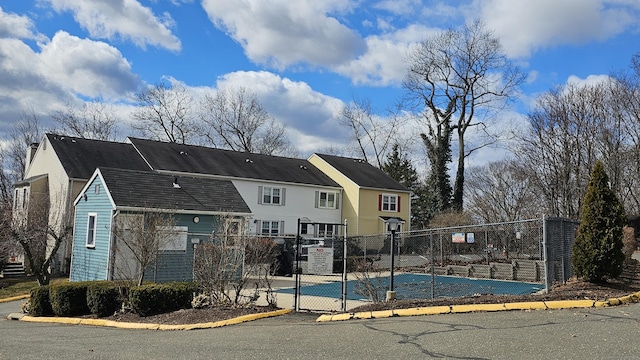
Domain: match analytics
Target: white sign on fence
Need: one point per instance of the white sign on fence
(320, 261)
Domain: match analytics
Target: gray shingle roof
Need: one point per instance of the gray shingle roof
(147, 189)
(362, 173)
(80, 157)
(226, 163)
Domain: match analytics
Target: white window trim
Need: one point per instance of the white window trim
(389, 203)
(271, 223)
(90, 215)
(281, 196)
(328, 193)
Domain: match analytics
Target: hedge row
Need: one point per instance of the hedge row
(103, 298)
(154, 299)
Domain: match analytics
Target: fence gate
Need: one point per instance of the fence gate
(320, 266)
(559, 236)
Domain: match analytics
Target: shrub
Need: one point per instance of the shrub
(39, 304)
(69, 299)
(103, 298)
(597, 251)
(154, 299)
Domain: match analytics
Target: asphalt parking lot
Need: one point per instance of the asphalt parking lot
(593, 333)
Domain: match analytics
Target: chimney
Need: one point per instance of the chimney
(31, 152)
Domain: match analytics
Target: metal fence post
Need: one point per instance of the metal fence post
(344, 269)
(545, 251)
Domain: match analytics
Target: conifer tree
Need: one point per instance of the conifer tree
(597, 251)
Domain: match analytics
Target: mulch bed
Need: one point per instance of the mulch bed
(574, 289)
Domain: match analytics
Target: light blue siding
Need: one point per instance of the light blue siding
(92, 263)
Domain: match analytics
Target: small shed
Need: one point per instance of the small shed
(196, 207)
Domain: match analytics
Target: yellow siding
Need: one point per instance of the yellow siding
(370, 215)
(360, 206)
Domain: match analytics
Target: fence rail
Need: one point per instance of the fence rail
(519, 257)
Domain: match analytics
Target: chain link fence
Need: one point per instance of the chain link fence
(511, 258)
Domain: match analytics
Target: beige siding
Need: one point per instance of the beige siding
(360, 206)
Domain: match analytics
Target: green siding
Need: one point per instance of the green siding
(92, 263)
(178, 265)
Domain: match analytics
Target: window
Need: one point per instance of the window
(96, 189)
(270, 195)
(389, 202)
(325, 230)
(270, 228)
(91, 230)
(24, 198)
(326, 200)
(174, 238)
(15, 199)
(304, 228)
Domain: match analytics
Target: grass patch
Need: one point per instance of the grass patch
(21, 286)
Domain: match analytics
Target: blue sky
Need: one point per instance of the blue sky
(304, 59)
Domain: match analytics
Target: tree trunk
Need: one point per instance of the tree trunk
(458, 184)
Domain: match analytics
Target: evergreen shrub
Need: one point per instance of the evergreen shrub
(151, 299)
(103, 298)
(597, 251)
(39, 304)
(69, 299)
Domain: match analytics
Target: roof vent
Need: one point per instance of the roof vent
(183, 153)
(175, 183)
(303, 167)
(248, 160)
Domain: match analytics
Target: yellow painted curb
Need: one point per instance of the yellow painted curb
(363, 315)
(15, 298)
(568, 304)
(599, 304)
(148, 326)
(58, 320)
(528, 305)
(335, 317)
(453, 309)
(382, 314)
(431, 310)
(456, 309)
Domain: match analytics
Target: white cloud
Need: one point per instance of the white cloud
(282, 33)
(399, 7)
(590, 80)
(528, 25)
(17, 26)
(126, 18)
(64, 69)
(310, 117)
(384, 62)
(87, 67)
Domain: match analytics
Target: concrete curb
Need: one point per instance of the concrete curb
(15, 298)
(146, 326)
(458, 309)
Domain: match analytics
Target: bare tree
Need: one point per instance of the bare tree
(625, 88)
(38, 232)
(230, 264)
(459, 79)
(235, 120)
(140, 238)
(26, 131)
(371, 136)
(501, 191)
(568, 130)
(93, 120)
(164, 113)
